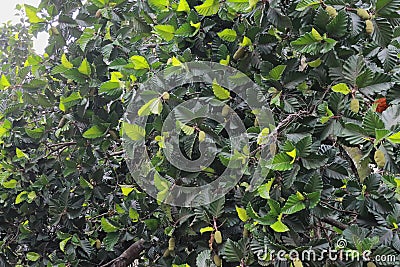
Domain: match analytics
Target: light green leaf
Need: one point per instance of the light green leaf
(139, 62)
(304, 4)
(293, 204)
(167, 32)
(31, 13)
(20, 153)
(188, 130)
(315, 63)
(293, 155)
(228, 35)
(154, 106)
(85, 68)
(10, 184)
(160, 5)
(242, 214)
(225, 61)
(108, 226)
(4, 83)
(93, 132)
(279, 226)
(206, 229)
(276, 73)
(63, 243)
(262, 137)
(220, 92)
(394, 138)
(208, 8)
(341, 88)
(133, 131)
(183, 6)
(134, 215)
(316, 35)
(21, 197)
(32, 256)
(246, 41)
(65, 62)
(281, 162)
(126, 189)
(264, 190)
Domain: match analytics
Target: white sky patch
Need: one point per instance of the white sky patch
(9, 13)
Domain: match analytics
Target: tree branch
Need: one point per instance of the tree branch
(128, 256)
(335, 223)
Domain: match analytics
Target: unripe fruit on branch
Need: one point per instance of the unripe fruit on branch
(54, 30)
(225, 110)
(355, 105)
(171, 244)
(331, 11)
(98, 244)
(217, 260)
(166, 253)
(369, 27)
(218, 237)
(98, 13)
(239, 53)
(165, 96)
(362, 13)
(245, 232)
(202, 136)
(379, 158)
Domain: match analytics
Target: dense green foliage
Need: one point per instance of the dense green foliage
(67, 197)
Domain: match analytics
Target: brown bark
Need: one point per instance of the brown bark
(128, 256)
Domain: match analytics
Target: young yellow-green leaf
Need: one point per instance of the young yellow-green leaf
(228, 35)
(188, 130)
(316, 35)
(316, 63)
(220, 92)
(208, 8)
(263, 136)
(126, 189)
(154, 106)
(292, 154)
(115, 76)
(4, 83)
(10, 184)
(183, 6)
(139, 62)
(107, 226)
(195, 25)
(226, 61)
(134, 215)
(63, 243)
(32, 256)
(246, 41)
(94, 132)
(160, 5)
(21, 197)
(65, 62)
(31, 13)
(276, 73)
(279, 226)
(341, 88)
(242, 214)
(174, 62)
(167, 32)
(206, 229)
(297, 263)
(133, 131)
(264, 189)
(20, 153)
(394, 138)
(85, 68)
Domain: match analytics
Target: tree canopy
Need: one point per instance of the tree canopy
(328, 70)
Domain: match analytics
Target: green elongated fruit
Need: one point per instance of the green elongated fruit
(355, 105)
(217, 260)
(165, 96)
(331, 11)
(239, 53)
(171, 244)
(245, 232)
(371, 264)
(362, 13)
(379, 158)
(202, 136)
(98, 244)
(225, 110)
(369, 27)
(218, 237)
(166, 253)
